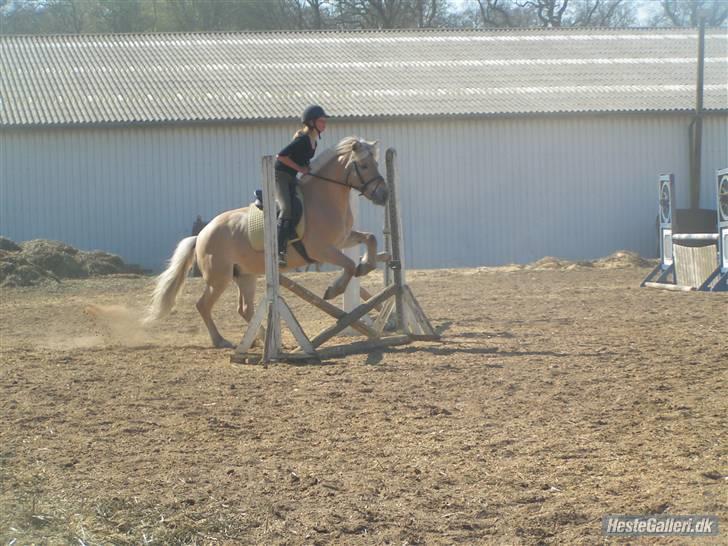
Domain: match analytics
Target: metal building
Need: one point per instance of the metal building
(511, 145)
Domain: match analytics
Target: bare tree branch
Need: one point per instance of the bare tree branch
(494, 14)
(686, 12)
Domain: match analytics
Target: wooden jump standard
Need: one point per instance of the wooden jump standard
(411, 322)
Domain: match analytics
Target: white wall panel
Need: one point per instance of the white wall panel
(474, 191)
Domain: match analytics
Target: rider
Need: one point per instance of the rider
(291, 160)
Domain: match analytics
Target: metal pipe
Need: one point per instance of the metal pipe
(698, 127)
(695, 237)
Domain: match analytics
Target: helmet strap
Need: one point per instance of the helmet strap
(313, 126)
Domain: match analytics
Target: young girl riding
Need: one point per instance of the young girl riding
(290, 161)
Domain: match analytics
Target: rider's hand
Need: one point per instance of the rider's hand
(304, 171)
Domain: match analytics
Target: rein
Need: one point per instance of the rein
(330, 180)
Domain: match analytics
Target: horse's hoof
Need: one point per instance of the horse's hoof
(329, 294)
(362, 269)
(224, 344)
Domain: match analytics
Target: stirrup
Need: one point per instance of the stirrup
(258, 194)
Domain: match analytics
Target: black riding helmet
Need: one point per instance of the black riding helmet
(312, 113)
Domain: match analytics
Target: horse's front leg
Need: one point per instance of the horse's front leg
(332, 255)
(368, 262)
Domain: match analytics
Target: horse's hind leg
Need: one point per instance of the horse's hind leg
(216, 283)
(246, 302)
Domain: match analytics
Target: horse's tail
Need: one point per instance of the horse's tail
(171, 281)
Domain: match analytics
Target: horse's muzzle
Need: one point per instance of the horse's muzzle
(380, 195)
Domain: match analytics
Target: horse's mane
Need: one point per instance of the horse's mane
(323, 159)
(344, 152)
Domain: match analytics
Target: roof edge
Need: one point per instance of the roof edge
(398, 117)
(428, 30)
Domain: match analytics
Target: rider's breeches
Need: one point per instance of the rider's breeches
(285, 186)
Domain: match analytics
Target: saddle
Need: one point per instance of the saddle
(255, 221)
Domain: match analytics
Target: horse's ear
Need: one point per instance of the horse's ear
(373, 143)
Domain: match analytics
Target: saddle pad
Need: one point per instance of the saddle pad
(256, 232)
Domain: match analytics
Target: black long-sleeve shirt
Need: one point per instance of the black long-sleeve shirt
(299, 150)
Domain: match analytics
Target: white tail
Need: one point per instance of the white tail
(171, 281)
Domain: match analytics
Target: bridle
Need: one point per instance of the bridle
(364, 183)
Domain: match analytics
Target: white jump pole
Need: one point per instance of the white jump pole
(352, 298)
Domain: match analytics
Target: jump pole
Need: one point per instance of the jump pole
(412, 322)
(352, 297)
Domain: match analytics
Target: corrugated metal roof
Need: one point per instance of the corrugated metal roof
(92, 79)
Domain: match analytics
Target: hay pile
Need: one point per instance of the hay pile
(622, 259)
(42, 261)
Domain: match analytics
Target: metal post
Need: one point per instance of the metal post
(387, 237)
(698, 120)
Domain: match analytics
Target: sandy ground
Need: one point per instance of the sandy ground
(555, 397)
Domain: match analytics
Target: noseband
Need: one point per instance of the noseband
(364, 184)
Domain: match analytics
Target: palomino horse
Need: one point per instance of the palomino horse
(224, 253)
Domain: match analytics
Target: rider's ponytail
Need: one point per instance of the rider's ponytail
(307, 130)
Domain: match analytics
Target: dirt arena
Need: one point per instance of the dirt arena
(555, 397)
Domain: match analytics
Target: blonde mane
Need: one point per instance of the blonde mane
(322, 159)
(344, 152)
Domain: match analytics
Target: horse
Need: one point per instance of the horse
(223, 250)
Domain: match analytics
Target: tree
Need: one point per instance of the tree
(550, 13)
(190, 15)
(681, 13)
(83, 16)
(317, 14)
(125, 15)
(427, 12)
(555, 13)
(205, 15)
(73, 16)
(503, 13)
(390, 13)
(582, 13)
(303, 14)
(17, 18)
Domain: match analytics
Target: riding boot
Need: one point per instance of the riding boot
(284, 233)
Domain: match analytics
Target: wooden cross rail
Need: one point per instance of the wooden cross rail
(325, 306)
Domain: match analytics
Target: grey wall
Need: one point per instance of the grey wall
(474, 192)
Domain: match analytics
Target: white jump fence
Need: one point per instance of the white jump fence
(691, 261)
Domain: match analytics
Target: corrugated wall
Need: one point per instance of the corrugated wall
(474, 192)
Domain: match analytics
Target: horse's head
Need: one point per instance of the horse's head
(363, 171)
